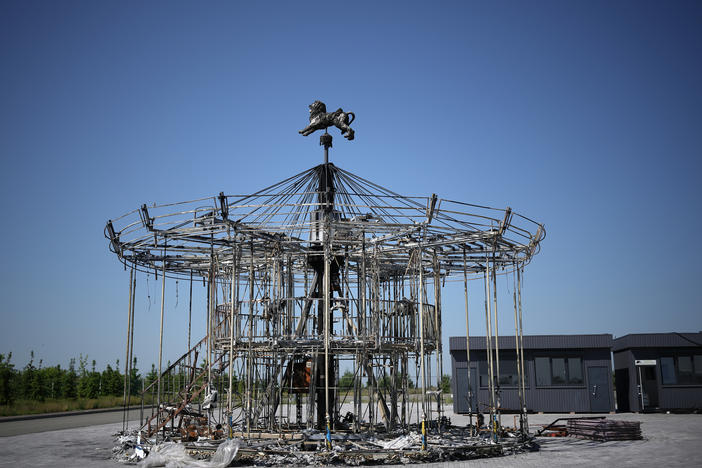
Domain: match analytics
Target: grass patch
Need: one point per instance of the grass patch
(22, 407)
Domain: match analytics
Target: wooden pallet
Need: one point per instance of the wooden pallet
(604, 429)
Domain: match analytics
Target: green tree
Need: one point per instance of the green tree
(117, 384)
(94, 382)
(27, 380)
(37, 385)
(445, 384)
(385, 382)
(151, 376)
(112, 382)
(135, 379)
(7, 378)
(69, 381)
(83, 377)
(53, 381)
(346, 381)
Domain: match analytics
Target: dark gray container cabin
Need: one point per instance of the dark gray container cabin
(563, 373)
(658, 371)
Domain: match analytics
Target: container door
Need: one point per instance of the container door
(598, 388)
(649, 385)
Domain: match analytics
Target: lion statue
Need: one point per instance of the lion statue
(321, 119)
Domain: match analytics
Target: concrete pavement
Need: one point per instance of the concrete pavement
(670, 440)
(53, 423)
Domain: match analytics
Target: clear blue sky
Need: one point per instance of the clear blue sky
(586, 116)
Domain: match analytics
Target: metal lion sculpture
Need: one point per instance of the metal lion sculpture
(321, 119)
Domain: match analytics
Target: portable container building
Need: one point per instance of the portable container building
(563, 373)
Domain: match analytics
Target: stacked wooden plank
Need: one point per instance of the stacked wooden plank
(604, 429)
(554, 430)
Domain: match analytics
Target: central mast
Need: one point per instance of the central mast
(329, 272)
(324, 264)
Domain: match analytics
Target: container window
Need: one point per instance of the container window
(697, 363)
(681, 370)
(575, 371)
(509, 375)
(543, 371)
(668, 371)
(685, 369)
(483, 371)
(558, 375)
(559, 371)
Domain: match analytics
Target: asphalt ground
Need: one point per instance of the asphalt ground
(670, 440)
(14, 426)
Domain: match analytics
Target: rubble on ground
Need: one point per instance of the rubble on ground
(308, 447)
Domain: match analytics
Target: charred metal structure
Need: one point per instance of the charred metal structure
(320, 272)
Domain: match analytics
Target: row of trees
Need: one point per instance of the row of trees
(385, 383)
(78, 380)
(81, 380)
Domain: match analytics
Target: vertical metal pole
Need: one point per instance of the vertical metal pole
(405, 391)
(421, 347)
(210, 308)
(232, 300)
(362, 332)
(521, 343)
(290, 301)
(190, 318)
(237, 325)
(131, 345)
(437, 333)
(357, 373)
(249, 374)
(160, 339)
(470, 388)
(126, 358)
(497, 341)
(516, 348)
(326, 339)
(362, 287)
(141, 411)
(488, 325)
(375, 313)
(327, 289)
